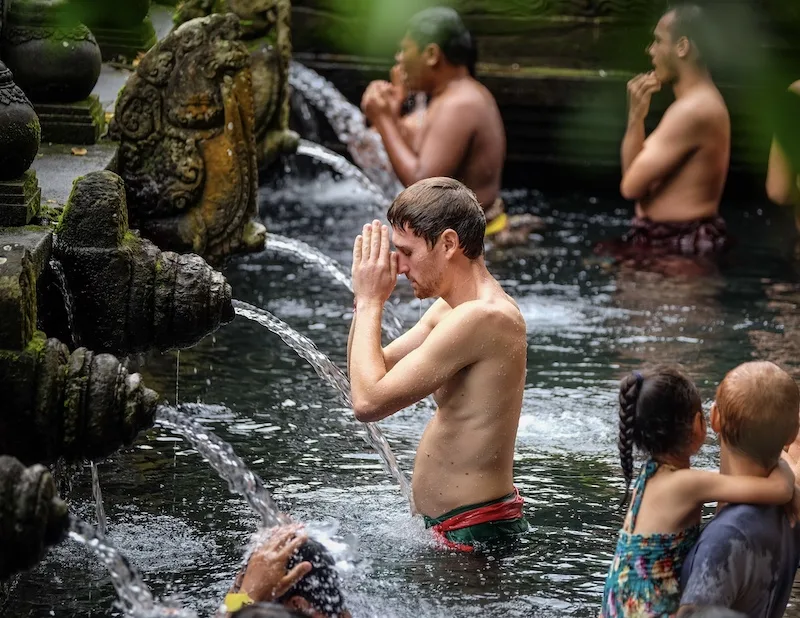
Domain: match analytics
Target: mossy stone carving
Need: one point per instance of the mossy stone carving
(129, 295)
(32, 516)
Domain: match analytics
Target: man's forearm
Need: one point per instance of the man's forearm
(632, 143)
(401, 156)
(365, 358)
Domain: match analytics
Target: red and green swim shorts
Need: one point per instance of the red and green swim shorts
(483, 523)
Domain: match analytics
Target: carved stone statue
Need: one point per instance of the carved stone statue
(56, 61)
(77, 406)
(32, 516)
(266, 30)
(184, 122)
(128, 295)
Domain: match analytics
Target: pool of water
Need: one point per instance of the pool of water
(588, 324)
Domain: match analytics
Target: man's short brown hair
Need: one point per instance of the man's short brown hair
(759, 410)
(433, 205)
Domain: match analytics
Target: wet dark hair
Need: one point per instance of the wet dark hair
(443, 26)
(433, 205)
(690, 21)
(656, 410)
(321, 586)
(266, 610)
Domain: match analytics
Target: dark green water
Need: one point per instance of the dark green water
(587, 326)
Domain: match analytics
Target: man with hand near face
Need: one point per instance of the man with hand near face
(677, 175)
(469, 350)
(461, 134)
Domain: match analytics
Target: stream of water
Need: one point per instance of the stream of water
(97, 494)
(350, 126)
(66, 295)
(334, 377)
(225, 462)
(346, 170)
(392, 323)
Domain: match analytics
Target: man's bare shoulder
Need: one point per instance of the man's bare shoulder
(795, 87)
(488, 314)
(699, 106)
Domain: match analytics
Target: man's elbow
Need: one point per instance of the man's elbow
(781, 195)
(629, 190)
(368, 411)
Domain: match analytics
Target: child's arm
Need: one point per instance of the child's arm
(701, 487)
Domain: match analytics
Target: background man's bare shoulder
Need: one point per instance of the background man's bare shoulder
(795, 87)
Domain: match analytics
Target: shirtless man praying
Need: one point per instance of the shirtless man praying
(461, 134)
(469, 350)
(678, 173)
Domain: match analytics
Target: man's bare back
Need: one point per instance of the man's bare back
(693, 189)
(467, 450)
(474, 128)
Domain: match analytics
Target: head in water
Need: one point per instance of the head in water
(436, 39)
(660, 413)
(318, 594)
(756, 412)
(436, 224)
(679, 42)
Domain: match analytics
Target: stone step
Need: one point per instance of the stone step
(71, 123)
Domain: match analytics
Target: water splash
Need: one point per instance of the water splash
(135, 598)
(283, 245)
(309, 121)
(230, 467)
(97, 494)
(344, 168)
(330, 372)
(66, 294)
(350, 126)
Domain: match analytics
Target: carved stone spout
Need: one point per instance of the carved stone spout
(77, 406)
(184, 122)
(129, 296)
(32, 516)
(266, 30)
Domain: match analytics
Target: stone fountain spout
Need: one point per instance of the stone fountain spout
(32, 516)
(129, 296)
(78, 406)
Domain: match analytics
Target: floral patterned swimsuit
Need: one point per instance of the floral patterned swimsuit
(644, 578)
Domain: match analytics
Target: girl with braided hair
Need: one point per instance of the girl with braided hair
(661, 414)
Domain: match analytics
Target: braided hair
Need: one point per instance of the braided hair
(656, 410)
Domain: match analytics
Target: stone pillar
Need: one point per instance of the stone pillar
(56, 62)
(266, 30)
(32, 516)
(123, 28)
(20, 196)
(128, 295)
(187, 150)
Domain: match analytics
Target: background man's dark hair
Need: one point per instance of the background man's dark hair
(443, 26)
(690, 21)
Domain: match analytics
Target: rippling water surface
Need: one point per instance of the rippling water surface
(587, 325)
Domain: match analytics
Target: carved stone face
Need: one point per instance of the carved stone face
(187, 149)
(260, 15)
